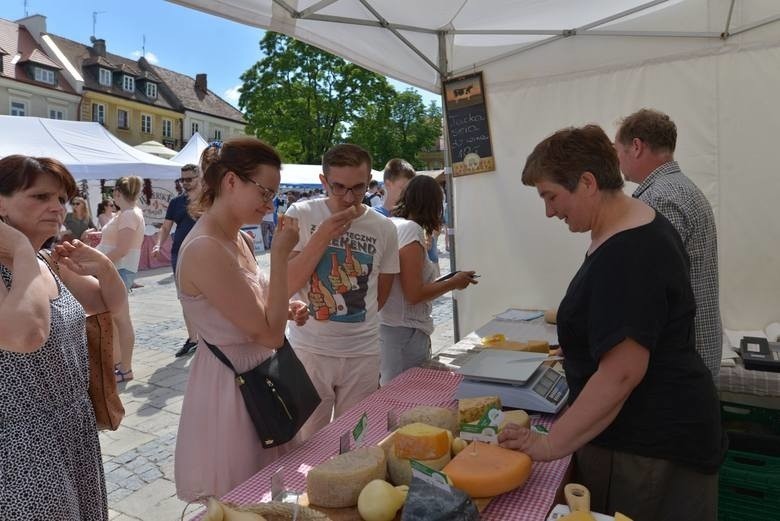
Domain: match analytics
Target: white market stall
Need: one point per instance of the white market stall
(156, 149)
(710, 64)
(191, 152)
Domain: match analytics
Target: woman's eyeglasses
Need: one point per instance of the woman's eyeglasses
(268, 194)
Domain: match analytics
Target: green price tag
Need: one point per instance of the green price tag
(486, 429)
(360, 430)
(427, 474)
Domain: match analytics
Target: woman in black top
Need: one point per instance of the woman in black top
(643, 414)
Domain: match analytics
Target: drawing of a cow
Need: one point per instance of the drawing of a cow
(462, 93)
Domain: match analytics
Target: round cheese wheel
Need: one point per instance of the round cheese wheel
(482, 470)
(337, 482)
(429, 415)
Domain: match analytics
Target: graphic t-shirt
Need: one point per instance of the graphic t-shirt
(342, 291)
(397, 311)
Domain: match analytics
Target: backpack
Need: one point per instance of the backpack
(367, 198)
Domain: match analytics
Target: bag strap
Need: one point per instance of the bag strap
(220, 355)
(46, 257)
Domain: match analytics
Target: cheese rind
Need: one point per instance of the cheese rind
(436, 416)
(482, 470)
(421, 441)
(400, 469)
(472, 409)
(337, 482)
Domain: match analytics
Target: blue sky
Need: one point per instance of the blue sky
(177, 38)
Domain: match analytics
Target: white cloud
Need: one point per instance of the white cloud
(150, 57)
(232, 94)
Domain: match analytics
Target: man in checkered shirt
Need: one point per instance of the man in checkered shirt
(645, 144)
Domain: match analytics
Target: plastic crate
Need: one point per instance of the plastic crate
(749, 487)
(750, 418)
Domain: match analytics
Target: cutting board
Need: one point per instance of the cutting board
(561, 510)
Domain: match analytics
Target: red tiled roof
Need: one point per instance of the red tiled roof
(183, 87)
(37, 56)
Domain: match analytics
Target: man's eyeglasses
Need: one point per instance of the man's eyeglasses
(186, 179)
(340, 190)
(76, 204)
(268, 194)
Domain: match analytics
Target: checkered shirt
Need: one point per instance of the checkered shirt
(675, 196)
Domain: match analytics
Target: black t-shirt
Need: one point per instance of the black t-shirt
(177, 212)
(636, 285)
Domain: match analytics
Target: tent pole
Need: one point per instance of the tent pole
(450, 184)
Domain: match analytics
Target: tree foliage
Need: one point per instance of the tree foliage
(303, 101)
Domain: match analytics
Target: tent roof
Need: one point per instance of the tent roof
(86, 148)
(192, 151)
(422, 42)
(156, 148)
(309, 175)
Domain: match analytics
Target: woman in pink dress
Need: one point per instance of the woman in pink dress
(232, 306)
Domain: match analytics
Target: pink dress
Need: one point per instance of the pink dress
(217, 447)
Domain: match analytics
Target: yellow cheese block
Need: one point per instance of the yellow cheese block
(436, 416)
(337, 482)
(482, 470)
(519, 417)
(472, 409)
(621, 517)
(551, 316)
(421, 441)
(400, 470)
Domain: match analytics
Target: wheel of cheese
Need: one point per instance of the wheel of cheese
(482, 470)
(421, 441)
(337, 482)
(436, 416)
(400, 469)
(472, 409)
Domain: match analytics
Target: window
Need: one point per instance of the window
(99, 113)
(217, 134)
(128, 83)
(167, 128)
(146, 123)
(18, 108)
(44, 75)
(122, 119)
(104, 77)
(151, 90)
(195, 127)
(56, 114)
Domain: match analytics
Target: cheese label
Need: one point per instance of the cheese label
(427, 474)
(486, 429)
(359, 430)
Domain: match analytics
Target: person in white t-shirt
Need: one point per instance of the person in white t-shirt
(343, 267)
(406, 322)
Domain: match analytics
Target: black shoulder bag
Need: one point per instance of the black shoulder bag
(278, 394)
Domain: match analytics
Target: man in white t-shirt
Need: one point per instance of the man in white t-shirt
(343, 267)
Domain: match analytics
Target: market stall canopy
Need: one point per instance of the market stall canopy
(86, 148)
(191, 152)
(156, 149)
(422, 42)
(309, 175)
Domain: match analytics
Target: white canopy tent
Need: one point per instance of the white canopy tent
(710, 64)
(156, 149)
(309, 175)
(191, 152)
(87, 149)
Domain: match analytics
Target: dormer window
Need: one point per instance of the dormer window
(44, 75)
(151, 90)
(104, 77)
(128, 83)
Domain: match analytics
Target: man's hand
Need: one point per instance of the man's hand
(537, 446)
(156, 251)
(337, 224)
(299, 312)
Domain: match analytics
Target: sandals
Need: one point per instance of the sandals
(122, 377)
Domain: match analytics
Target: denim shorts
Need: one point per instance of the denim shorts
(128, 277)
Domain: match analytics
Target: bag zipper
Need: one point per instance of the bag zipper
(270, 384)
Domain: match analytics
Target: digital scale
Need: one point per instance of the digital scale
(522, 380)
(760, 354)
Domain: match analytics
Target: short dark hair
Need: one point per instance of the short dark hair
(422, 201)
(563, 157)
(346, 154)
(18, 172)
(651, 126)
(189, 167)
(398, 167)
(373, 184)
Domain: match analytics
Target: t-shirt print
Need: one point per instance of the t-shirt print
(339, 284)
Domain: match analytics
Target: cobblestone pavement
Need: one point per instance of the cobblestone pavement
(138, 457)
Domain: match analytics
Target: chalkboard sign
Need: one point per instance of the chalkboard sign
(467, 125)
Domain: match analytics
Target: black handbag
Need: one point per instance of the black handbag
(278, 394)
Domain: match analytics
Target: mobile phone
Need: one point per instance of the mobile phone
(447, 276)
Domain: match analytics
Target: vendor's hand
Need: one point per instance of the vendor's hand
(299, 312)
(82, 259)
(462, 279)
(537, 446)
(285, 236)
(337, 224)
(12, 241)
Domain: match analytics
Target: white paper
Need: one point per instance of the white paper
(736, 335)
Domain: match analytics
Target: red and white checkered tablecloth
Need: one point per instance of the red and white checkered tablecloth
(414, 387)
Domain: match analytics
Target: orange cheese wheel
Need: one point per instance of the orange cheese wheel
(482, 470)
(421, 441)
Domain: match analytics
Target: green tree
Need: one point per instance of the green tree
(302, 99)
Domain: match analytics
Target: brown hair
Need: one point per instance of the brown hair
(398, 167)
(129, 186)
(563, 157)
(651, 126)
(238, 155)
(422, 201)
(18, 172)
(346, 154)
